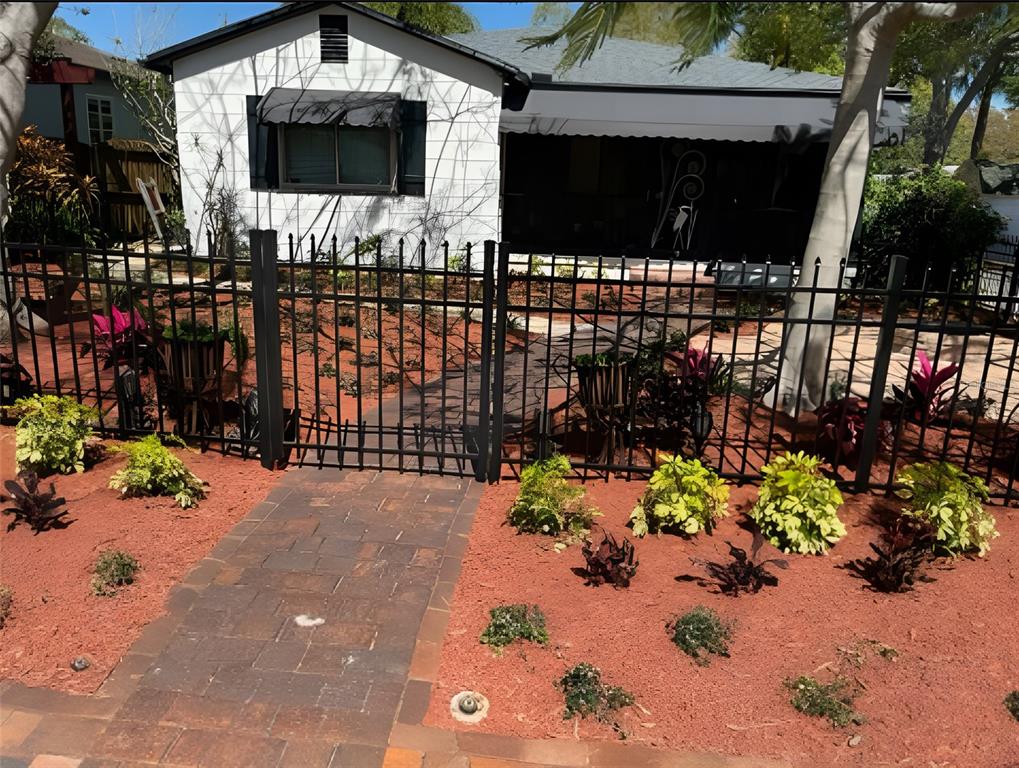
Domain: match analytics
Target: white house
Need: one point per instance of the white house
(329, 119)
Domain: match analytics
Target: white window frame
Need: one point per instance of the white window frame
(113, 127)
(353, 189)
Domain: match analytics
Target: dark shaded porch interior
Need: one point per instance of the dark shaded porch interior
(751, 199)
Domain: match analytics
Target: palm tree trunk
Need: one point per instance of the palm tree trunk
(872, 38)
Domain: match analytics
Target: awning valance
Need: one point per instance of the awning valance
(301, 105)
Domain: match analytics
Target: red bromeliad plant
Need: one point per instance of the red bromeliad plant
(114, 339)
(928, 394)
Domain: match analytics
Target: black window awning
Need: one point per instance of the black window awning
(370, 109)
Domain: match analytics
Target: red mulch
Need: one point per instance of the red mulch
(55, 617)
(939, 702)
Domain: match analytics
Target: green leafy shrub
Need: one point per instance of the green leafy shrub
(951, 502)
(682, 494)
(153, 471)
(6, 600)
(51, 433)
(934, 220)
(113, 569)
(586, 694)
(797, 509)
(699, 632)
(1011, 700)
(508, 623)
(833, 700)
(547, 503)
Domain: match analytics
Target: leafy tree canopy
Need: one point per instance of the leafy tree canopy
(803, 36)
(438, 18)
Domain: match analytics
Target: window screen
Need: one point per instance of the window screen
(364, 155)
(310, 154)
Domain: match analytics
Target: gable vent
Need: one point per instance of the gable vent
(332, 33)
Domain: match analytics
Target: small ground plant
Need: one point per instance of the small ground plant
(153, 471)
(586, 695)
(608, 562)
(1011, 701)
(40, 510)
(51, 433)
(952, 502)
(113, 569)
(682, 495)
(832, 700)
(547, 503)
(797, 509)
(508, 623)
(700, 632)
(899, 560)
(741, 573)
(6, 601)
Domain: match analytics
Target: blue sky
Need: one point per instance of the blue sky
(150, 26)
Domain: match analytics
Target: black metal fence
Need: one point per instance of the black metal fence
(475, 361)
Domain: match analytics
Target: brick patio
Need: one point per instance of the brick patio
(228, 677)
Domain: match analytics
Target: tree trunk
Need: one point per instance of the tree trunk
(934, 143)
(20, 26)
(874, 29)
(977, 144)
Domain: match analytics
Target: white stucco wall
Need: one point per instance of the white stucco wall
(462, 148)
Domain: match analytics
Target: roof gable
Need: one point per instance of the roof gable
(163, 60)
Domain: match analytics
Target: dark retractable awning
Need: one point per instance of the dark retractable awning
(299, 105)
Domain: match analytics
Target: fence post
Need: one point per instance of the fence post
(268, 356)
(499, 374)
(485, 393)
(882, 359)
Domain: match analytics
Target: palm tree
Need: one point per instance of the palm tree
(874, 29)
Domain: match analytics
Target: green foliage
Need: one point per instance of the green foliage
(934, 220)
(951, 501)
(808, 37)
(6, 600)
(152, 470)
(601, 359)
(547, 503)
(682, 494)
(832, 700)
(586, 694)
(1011, 700)
(515, 622)
(113, 569)
(699, 632)
(203, 332)
(51, 433)
(438, 18)
(797, 509)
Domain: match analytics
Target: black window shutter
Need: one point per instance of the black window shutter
(263, 154)
(413, 131)
(332, 35)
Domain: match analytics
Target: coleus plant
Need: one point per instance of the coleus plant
(743, 573)
(928, 393)
(899, 561)
(840, 425)
(39, 510)
(609, 562)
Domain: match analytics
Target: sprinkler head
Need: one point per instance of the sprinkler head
(468, 704)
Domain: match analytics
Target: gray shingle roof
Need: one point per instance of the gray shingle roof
(630, 62)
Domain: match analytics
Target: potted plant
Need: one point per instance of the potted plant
(605, 391)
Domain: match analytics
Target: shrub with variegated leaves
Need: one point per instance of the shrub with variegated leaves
(682, 495)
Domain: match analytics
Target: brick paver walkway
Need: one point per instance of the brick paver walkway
(308, 638)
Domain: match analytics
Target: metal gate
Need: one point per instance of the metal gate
(376, 358)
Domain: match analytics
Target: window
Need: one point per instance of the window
(348, 158)
(356, 159)
(100, 119)
(332, 36)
